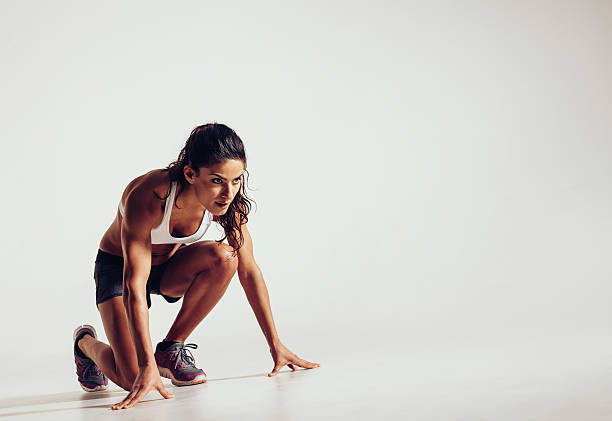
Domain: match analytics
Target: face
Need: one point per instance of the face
(217, 185)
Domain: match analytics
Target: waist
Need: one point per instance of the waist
(109, 258)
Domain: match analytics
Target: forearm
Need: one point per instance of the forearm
(135, 303)
(257, 295)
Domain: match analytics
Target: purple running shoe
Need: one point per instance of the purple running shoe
(90, 377)
(177, 364)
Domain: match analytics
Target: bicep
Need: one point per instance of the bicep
(136, 246)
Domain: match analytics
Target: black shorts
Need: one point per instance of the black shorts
(108, 274)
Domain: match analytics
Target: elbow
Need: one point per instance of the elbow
(248, 277)
(132, 296)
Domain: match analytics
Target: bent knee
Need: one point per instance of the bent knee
(216, 258)
(223, 257)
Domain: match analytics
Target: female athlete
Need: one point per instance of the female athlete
(152, 247)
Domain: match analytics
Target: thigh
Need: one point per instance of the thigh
(115, 322)
(188, 262)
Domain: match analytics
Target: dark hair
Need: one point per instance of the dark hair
(208, 145)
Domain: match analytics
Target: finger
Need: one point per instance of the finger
(292, 367)
(307, 364)
(162, 390)
(130, 398)
(137, 398)
(276, 369)
(126, 399)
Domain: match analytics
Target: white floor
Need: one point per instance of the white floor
(529, 380)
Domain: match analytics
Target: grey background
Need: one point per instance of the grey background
(429, 176)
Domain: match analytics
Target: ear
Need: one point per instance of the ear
(189, 174)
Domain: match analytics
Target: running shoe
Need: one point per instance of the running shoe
(177, 364)
(90, 377)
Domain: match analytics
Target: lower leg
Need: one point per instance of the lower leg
(200, 298)
(103, 356)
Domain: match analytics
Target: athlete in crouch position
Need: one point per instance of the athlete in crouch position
(144, 251)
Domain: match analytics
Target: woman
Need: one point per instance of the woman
(144, 251)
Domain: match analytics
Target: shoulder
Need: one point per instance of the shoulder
(240, 240)
(236, 231)
(142, 195)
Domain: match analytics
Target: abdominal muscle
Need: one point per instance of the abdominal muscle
(111, 243)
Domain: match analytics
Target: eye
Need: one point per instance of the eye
(237, 181)
(214, 180)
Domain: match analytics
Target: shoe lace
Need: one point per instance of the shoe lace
(184, 356)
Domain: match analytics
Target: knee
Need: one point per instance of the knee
(223, 258)
(217, 261)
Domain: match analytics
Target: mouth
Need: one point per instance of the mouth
(222, 204)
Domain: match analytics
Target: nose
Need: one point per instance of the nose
(229, 191)
(233, 191)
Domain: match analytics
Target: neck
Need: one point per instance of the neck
(188, 199)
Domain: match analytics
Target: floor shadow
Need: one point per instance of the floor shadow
(237, 377)
(66, 397)
(57, 398)
(255, 375)
(80, 408)
(48, 411)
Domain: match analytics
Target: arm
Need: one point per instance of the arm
(251, 279)
(136, 244)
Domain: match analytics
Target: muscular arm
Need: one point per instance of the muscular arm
(252, 281)
(136, 244)
(256, 291)
(136, 225)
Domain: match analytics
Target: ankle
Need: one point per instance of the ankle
(165, 344)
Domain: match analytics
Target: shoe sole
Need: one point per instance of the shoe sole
(84, 327)
(95, 389)
(165, 372)
(74, 336)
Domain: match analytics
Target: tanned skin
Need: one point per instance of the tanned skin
(199, 272)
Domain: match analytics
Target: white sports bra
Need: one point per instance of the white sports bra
(161, 234)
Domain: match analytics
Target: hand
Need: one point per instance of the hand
(283, 357)
(147, 380)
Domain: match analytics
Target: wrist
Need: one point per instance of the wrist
(275, 344)
(147, 363)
